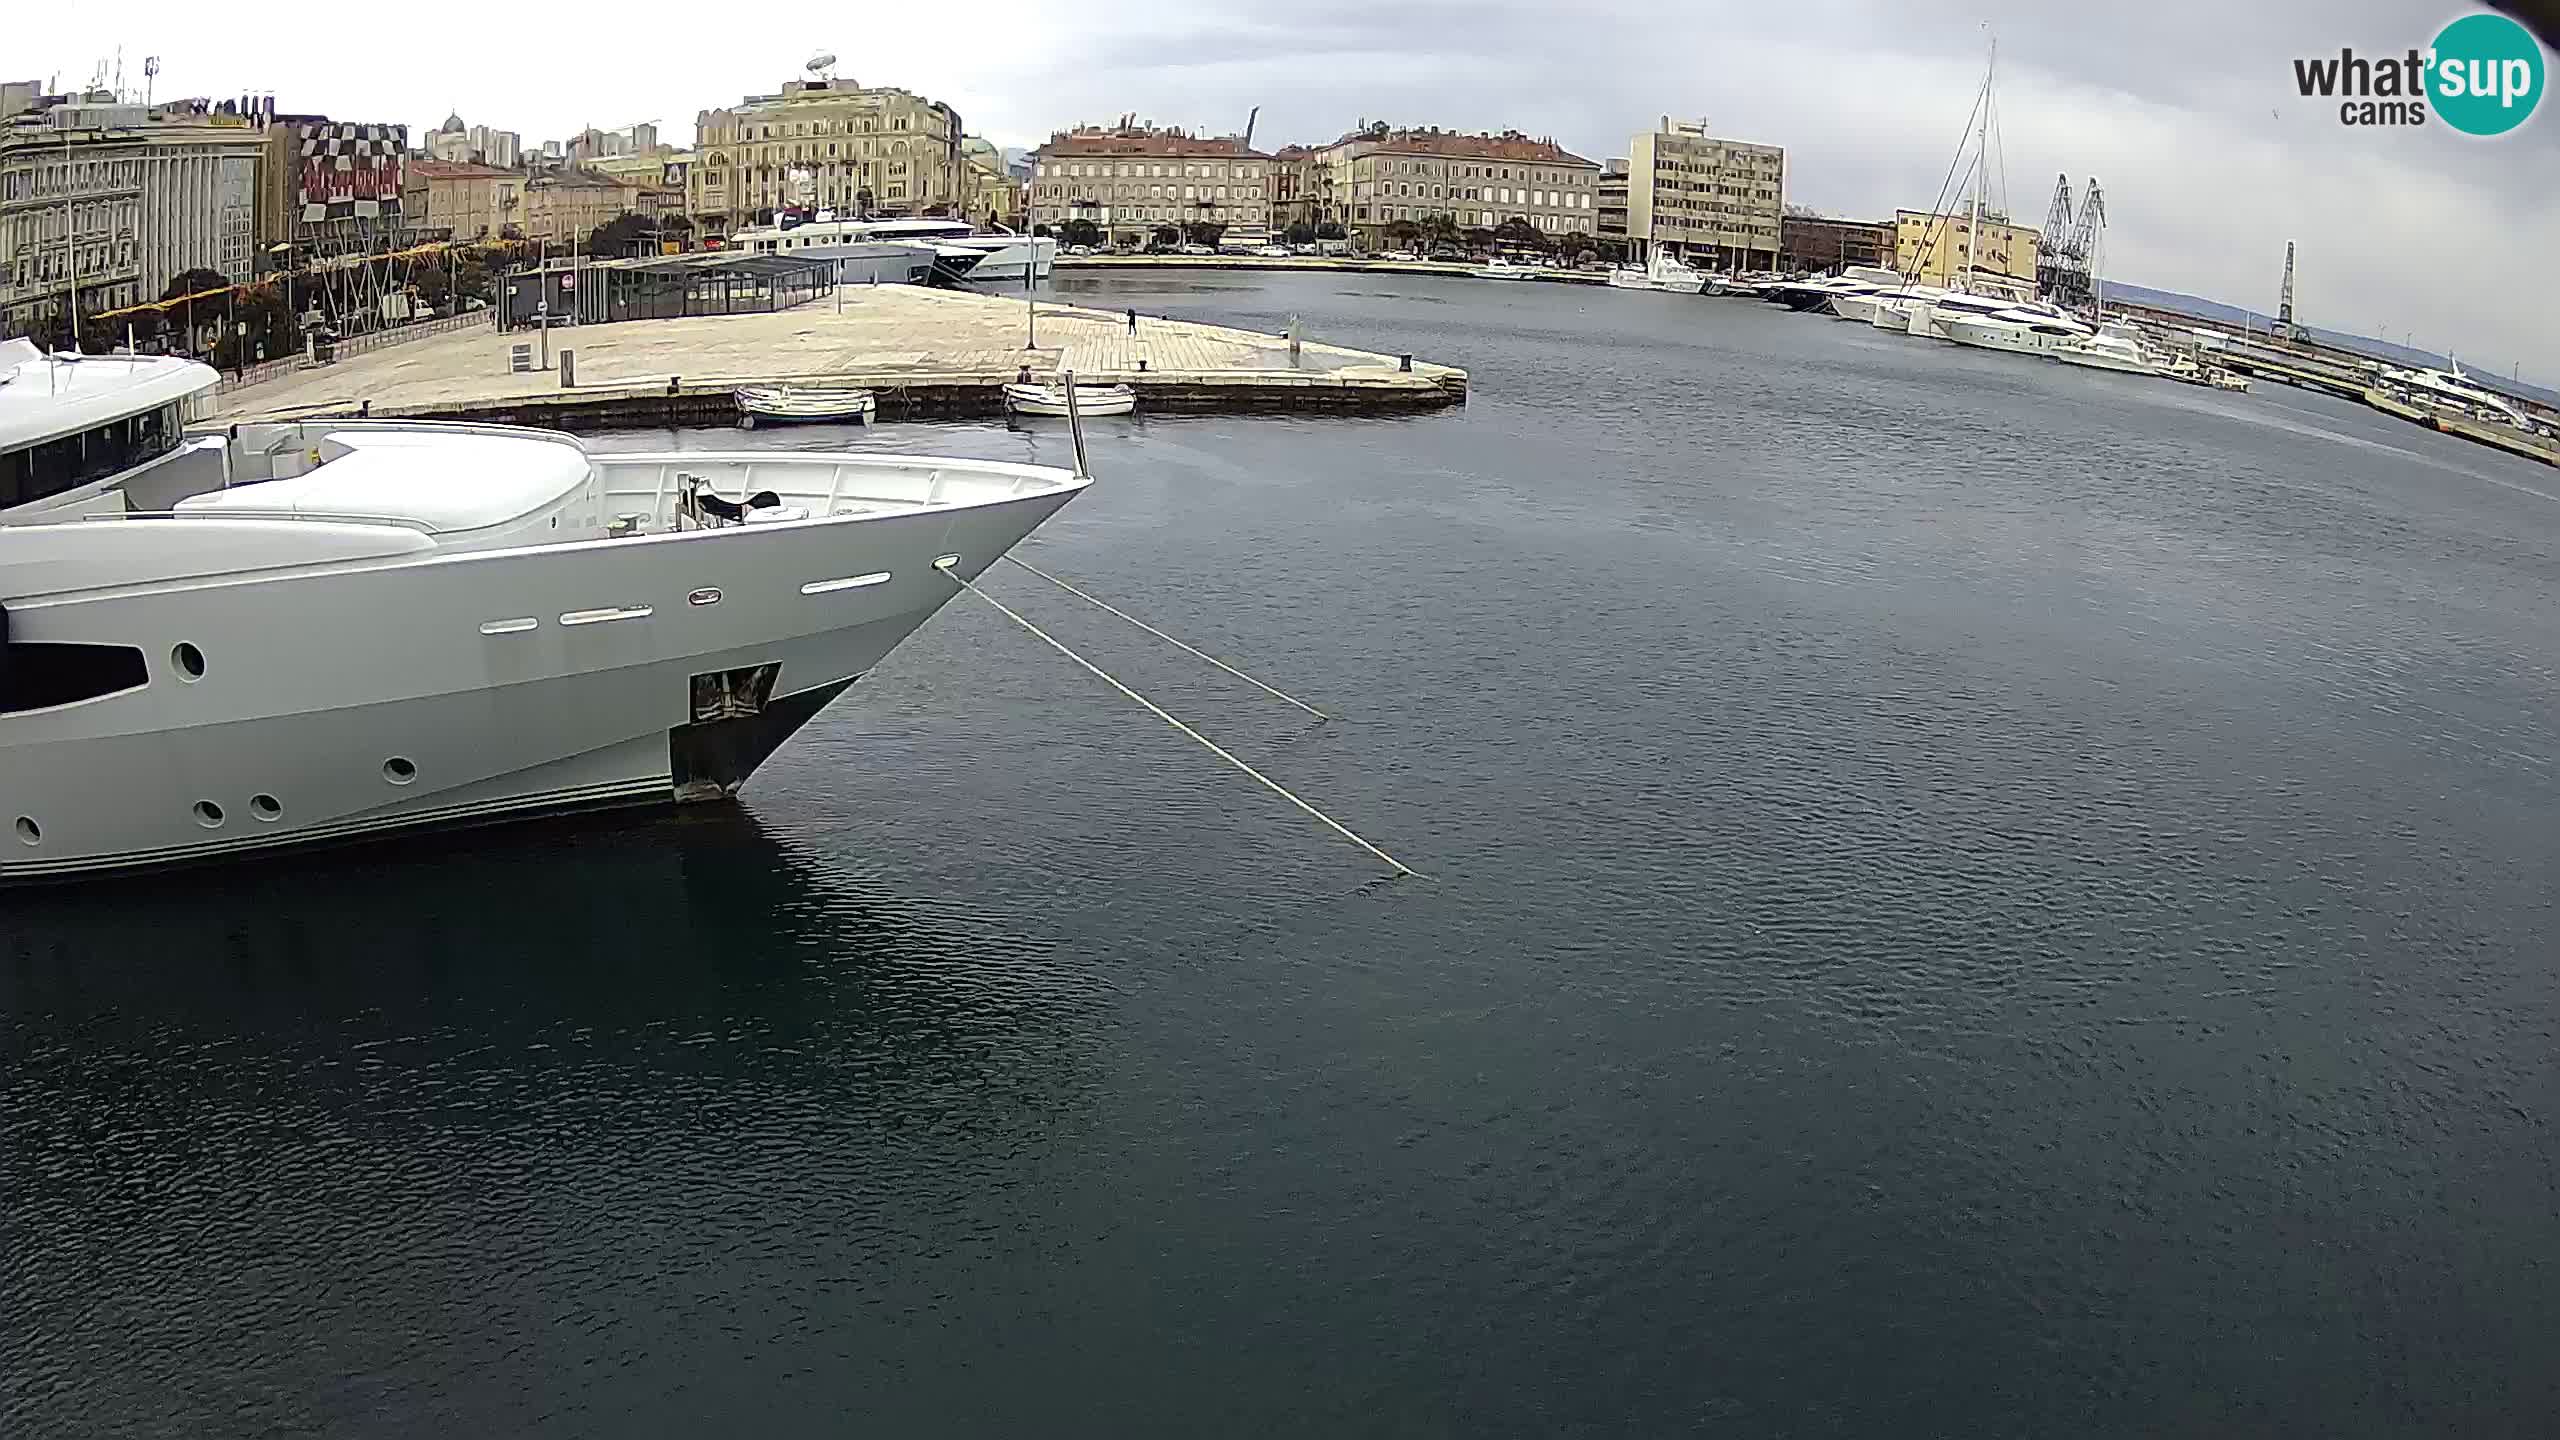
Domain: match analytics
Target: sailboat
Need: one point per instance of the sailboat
(1926, 310)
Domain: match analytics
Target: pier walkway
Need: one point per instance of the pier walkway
(926, 352)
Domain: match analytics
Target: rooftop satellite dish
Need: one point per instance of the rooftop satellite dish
(822, 62)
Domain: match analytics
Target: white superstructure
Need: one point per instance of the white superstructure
(958, 249)
(361, 627)
(76, 431)
(2453, 390)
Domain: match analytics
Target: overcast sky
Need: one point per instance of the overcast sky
(2185, 110)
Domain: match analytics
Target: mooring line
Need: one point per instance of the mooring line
(1273, 690)
(1274, 786)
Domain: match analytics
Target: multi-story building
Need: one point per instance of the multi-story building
(1936, 249)
(1818, 242)
(566, 204)
(854, 150)
(1130, 178)
(655, 179)
(1613, 201)
(330, 189)
(473, 202)
(1705, 199)
(1293, 191)
(1377, 177)
(123, 198)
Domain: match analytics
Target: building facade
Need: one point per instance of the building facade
(565, 205)
(1818, 242)
(471, 202)
(330, 189)
(1613, 201)
(124, 198)
(1131, 179)
(1711, 201)
(853, 150)
(1937, 249)
(1379, 177)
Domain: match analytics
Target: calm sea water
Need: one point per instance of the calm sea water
(1965, 898)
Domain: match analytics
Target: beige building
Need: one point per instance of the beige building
(474, 202)
(841, 146)
(125, 198)
(655, 178)
(565, 205)
(1715, 203)
(1132, 178)
(1934, 249)
(993, 194)
(1373, 178)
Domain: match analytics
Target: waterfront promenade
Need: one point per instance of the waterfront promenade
(926, 352)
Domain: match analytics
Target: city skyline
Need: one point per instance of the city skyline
(2210, 161)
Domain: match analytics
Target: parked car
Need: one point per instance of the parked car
(1198, 250)
(1079, 249)
(1276, 252)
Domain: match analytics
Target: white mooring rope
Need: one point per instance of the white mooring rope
(1274, 786)
(1169, 640)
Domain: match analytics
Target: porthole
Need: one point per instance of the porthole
(266, 807)
(29, 832)
(208, 815)
(190, 662)
(399, 770)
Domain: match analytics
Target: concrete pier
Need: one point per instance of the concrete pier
(927, 353)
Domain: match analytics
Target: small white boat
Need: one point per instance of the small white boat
(758, 404)
(1045, 398)
(1499, 268)
(1663, 271)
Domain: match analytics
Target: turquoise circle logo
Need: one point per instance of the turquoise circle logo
(2484, 74)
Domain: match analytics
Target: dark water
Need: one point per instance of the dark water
(1967, 898)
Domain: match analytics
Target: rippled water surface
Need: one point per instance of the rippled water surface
(1965, 898)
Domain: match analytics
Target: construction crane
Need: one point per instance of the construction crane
(2078, 286)
(2053, 249)
(2284, 300)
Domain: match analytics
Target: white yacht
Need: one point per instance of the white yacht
(950, 249)
(1820, 292)
(344, 629)
(2116, 346)
(1501, 268)
(1892, 309)
(1661, 271)
(2035, 329)
(2452, 390)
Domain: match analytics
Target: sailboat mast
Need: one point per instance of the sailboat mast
(1981, 163)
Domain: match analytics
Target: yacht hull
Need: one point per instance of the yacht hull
(343, 704)
(1997, 335)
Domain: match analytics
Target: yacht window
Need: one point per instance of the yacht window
(67, 462)
(40, 676)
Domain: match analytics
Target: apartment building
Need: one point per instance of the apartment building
(1376, 177)
(474, 202)
(1818, 242)
(1713, 202)
(1129, 179)
(845, 147)
(124, 198)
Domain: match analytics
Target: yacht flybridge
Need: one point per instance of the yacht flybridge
(340, 629)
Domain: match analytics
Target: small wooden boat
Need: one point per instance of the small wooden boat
(763, 404)
(1051, 399)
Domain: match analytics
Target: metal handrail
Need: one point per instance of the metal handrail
(405, 522)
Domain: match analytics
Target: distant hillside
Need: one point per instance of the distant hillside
(2217, 313)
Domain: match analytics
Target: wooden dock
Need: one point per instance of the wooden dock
(927, 353)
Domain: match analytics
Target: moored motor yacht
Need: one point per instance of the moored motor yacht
(2116, 346)
(2034, 329)
(1821, 291)
(911, 249)
(347, 628)
(1661, 271)
(1501, 268)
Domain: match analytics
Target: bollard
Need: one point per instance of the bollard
(1405, 364)
(568, 369)
(1142, 365)
(365, 411)
(672, 387)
